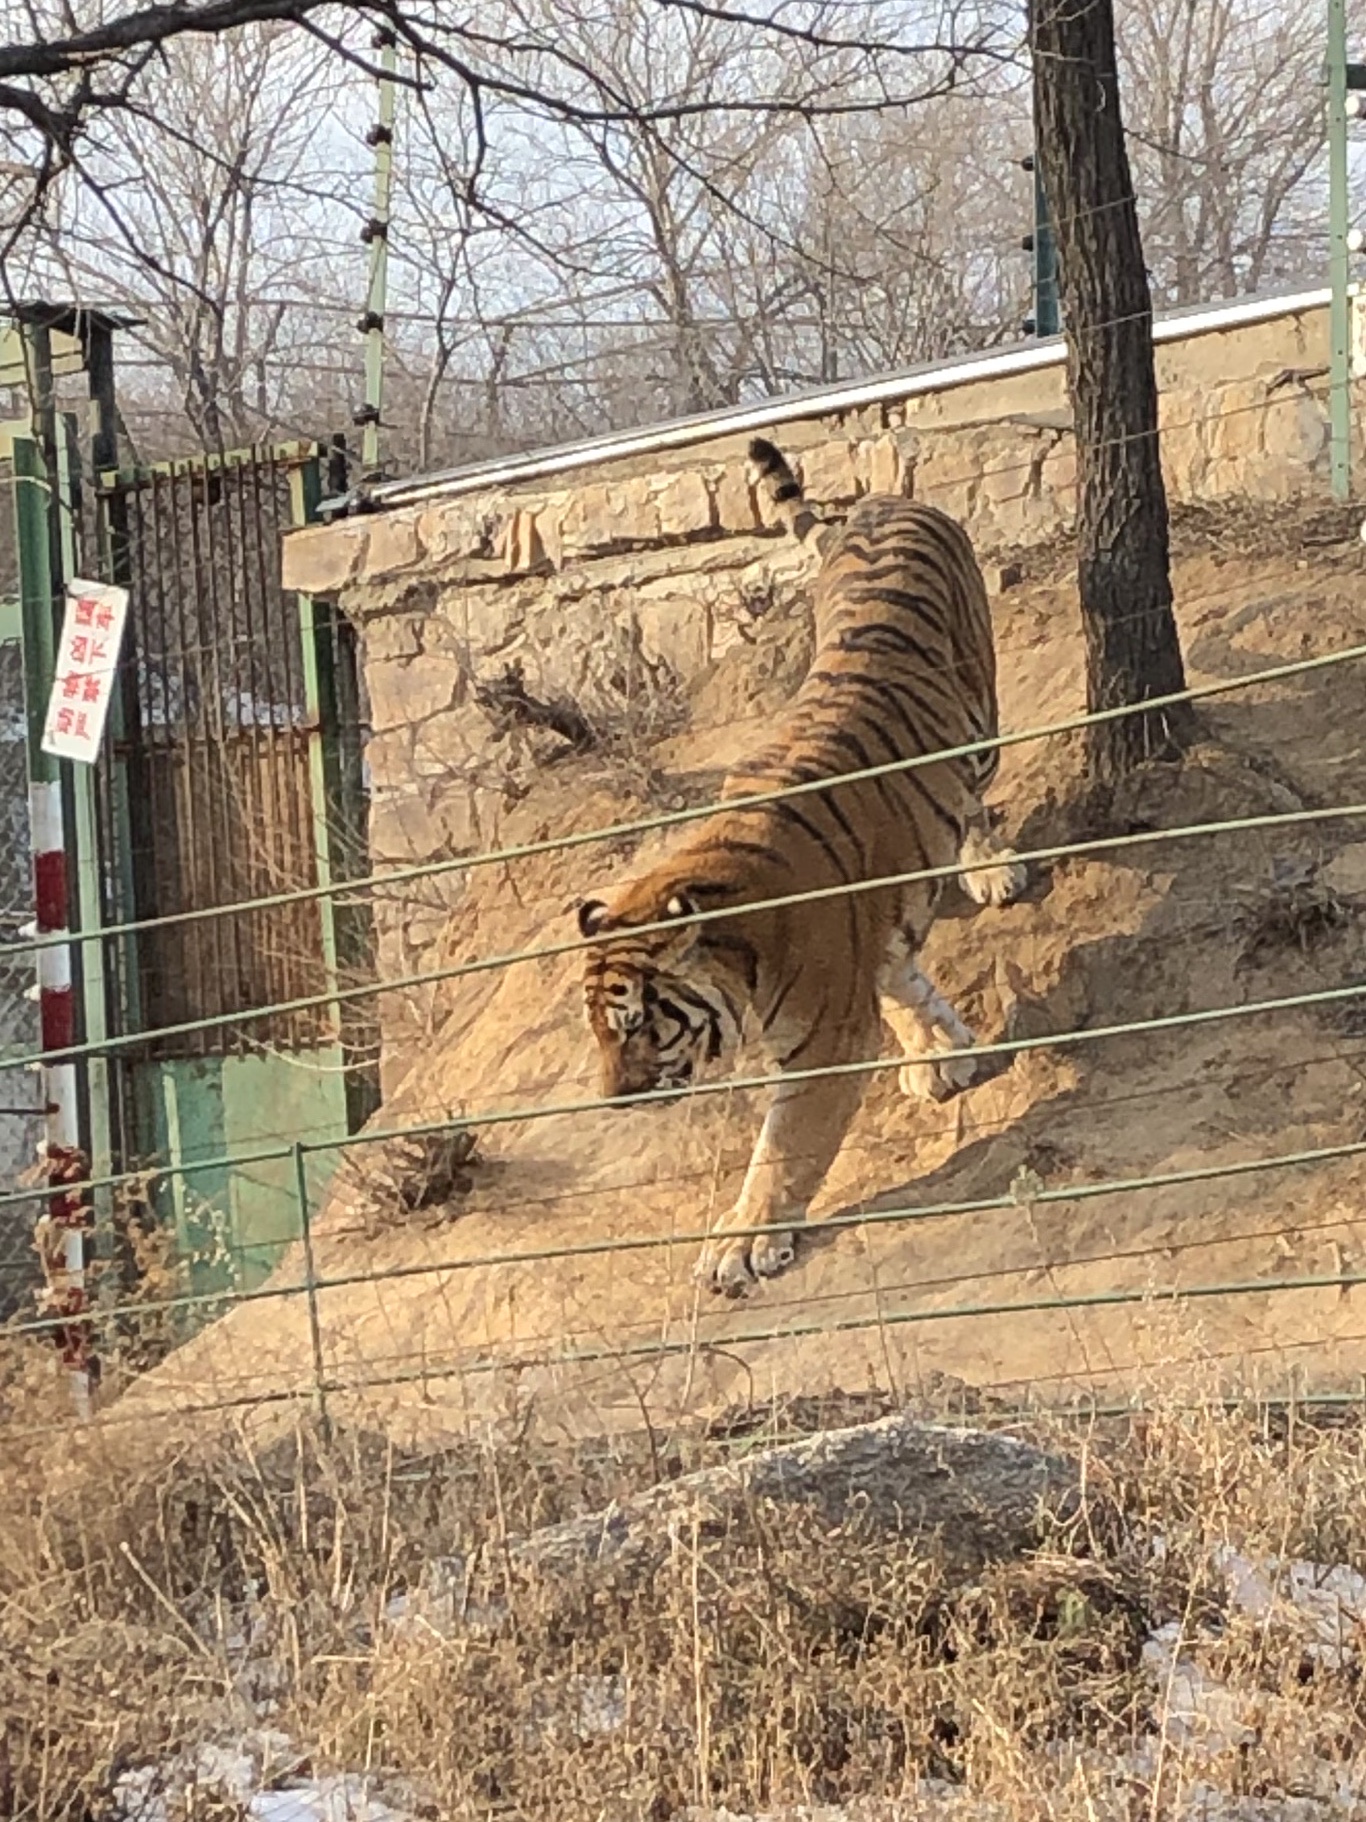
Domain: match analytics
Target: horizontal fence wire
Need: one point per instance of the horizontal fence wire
(646, 1352)
(357, 889)
(772, 414)
(993, 1413)
(429, 977)
(634, 1243)
(726, 1085)
(1314, 1408)
(322, 1383)
(846, 1325)
(280, 1241)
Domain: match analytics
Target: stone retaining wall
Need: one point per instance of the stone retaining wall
(625, 581)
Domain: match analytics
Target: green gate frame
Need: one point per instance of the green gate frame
(232, 1225)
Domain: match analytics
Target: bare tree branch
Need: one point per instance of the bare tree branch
(149, 25)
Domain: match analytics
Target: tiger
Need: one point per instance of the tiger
(904, 665)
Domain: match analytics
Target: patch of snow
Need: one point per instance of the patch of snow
(245, 1774)
(1329, 1602)
(339, 1799)
(138, 1796)
(602, 1705)
(1195, 1709)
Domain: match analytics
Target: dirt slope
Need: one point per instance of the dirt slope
(1139, 933)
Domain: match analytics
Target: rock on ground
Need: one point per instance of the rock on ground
(981, 1496)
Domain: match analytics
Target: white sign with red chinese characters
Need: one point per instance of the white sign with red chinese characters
(87, 663)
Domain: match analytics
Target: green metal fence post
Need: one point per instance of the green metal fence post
(1047, 315)
(32, 492)
(376, 233)
(314, 628)
(1046, 318)
(87, 895)
(1345, 80)
(310, 1283)
(126, 816)
(337, 788)
(1340, 324)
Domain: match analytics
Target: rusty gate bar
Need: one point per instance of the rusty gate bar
(219, 731)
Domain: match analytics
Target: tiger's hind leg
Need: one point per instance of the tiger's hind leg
(996, 877)
(923, 1020)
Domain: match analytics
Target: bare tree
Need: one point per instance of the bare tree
(677, 203)
(1133, 651)
(910, 235)
(689, 262)
(200, 208)
(144, 109)
(1225, 121)
(602, 215)
(66, 69)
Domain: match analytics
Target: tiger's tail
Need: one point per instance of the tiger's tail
(769, 471)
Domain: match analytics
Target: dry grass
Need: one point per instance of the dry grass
(1295, 909)
(364, 1605)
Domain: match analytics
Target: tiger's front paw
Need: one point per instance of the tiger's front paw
(999, 884)
(937, 1081)
(730, 1265)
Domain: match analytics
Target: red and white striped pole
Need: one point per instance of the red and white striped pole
(56, 993)
(63, 1231)
(66, 707)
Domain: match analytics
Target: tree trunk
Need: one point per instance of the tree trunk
(1132, 649)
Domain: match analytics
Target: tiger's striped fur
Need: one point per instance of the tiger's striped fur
(904, 665)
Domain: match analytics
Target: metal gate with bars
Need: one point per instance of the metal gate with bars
(231, 772)
(214, 746)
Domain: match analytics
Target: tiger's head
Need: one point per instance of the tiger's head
(653, 998)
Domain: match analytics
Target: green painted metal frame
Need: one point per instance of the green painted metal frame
(382, 137)
(234, 1228)
(1344, 78)
(1047, 310)
(167, 1108)
(46, 481)
(338, 797)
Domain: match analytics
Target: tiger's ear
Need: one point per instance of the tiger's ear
(592, 912)
(681, 904)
